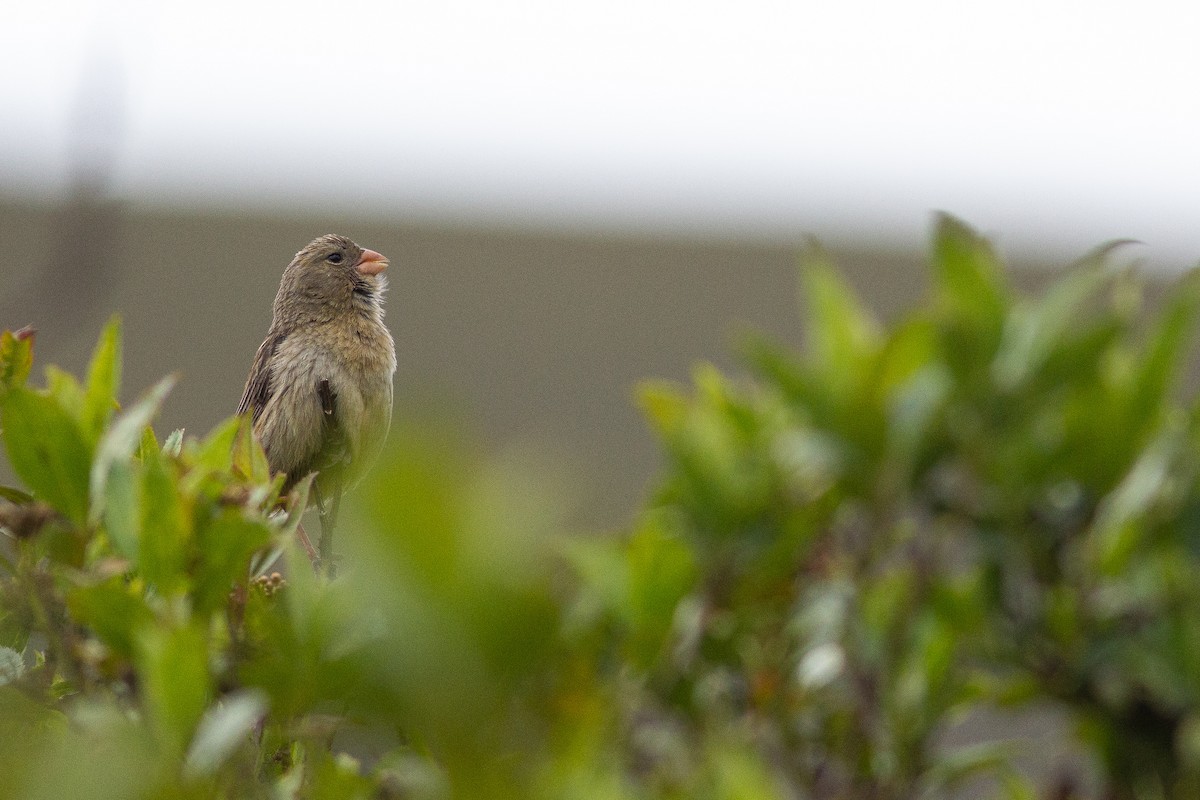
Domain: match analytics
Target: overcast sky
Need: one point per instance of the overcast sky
(1047, 122)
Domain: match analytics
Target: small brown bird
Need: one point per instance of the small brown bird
(320, 389)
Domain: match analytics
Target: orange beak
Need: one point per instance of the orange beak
(371, 263)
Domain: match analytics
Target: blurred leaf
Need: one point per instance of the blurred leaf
(840, 333)
(174, 443)
(820, 665)
(664, 404)
(912, 347)
(286, 537)
(223, 728)
(66, 391)
(120, 440)
(14, 495)
(1119, 522)
(914, 406)
(16, 359)
(103, 755)
(926, 668)
(599, 566)
(1160, 361)
(174, 665)
(1017, 786)
(970, 298)
(122, 509)
(740, 774)
(248, 457)
(114, 610)
(149, 444)
(165, 529)
(336, 776)
(12, 665)
(964, 763)
(216, 451)
(47, 450)
(1034, 329)
(662, 569)
(226, 543)
(810, 461)
(780, 367)
(103, 383)
(969, 279)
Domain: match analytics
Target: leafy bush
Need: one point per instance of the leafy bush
(994, 503)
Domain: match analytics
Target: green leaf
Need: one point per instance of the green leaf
(174, 443)
(1034, 330)
(66, 391)
(664, 405)
(1166, 343)
(914, 405)
(781, 369)
(225, 543)
(337, 776)
(661, 571)
(286, 532)
(165, 529)
(174, 665)
(101, 754)
(298, 503)
(840, 334)
(911, 348)
(224, 727)
(1120, 518)
(712, 387)
(968, 762)
(967, 276)
(120, 440)
(1017, 786)
(114, 610)
(216, 451)
(12, 666)
(122, 504)
(16, 358)
(14, 495)
(149, 444)
(739, 773)
(104, 381)
(47, 450)
(248, 456)
(603, 573)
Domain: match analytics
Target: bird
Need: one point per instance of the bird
(319, 392)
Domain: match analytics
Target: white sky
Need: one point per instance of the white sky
(1049, 122)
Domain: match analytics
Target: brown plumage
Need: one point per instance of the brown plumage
(320, 389)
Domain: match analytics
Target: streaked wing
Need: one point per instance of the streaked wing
(258, 384)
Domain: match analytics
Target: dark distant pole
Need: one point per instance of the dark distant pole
(87, 225)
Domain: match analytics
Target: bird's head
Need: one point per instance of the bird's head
(329, 276)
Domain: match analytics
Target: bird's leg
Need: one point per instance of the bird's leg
(329, 514)
(327, 509)
(309, 550)
(315, 553)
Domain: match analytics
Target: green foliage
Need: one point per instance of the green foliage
(993, 503)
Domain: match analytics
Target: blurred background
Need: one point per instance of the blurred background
(574, 196)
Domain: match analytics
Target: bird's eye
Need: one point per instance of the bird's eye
(334, 258)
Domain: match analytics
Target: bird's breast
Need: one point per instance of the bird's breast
(358, 360)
